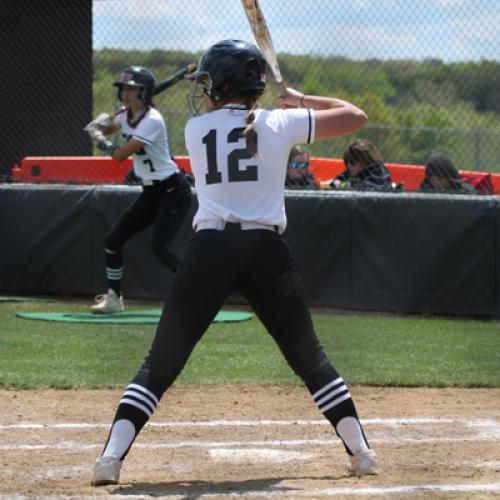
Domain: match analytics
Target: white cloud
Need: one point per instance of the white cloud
(387, 29)
(446, 3)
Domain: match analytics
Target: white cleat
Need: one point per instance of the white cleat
(108, 303)
(363, 463)
(106, 471)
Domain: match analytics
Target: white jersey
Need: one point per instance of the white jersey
(153, 161)
(230, 184)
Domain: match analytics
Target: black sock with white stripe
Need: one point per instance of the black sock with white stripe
(135, 408)
(334, 401)
(114, 270)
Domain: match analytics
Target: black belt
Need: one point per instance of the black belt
(168, 182)
(221, 225)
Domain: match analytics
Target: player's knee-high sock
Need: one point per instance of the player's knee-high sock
(135, 408)
(114, 270)
(333, 398)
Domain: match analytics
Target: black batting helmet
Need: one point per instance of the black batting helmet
(229, 68)
(137, 76)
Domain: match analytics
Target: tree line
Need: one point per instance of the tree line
(415, 108)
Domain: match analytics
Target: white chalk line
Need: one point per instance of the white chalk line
(78, 446)
(390, 422)
(486, 425)
(238, 455)
(486, 430)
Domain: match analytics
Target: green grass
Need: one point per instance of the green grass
(365, 349)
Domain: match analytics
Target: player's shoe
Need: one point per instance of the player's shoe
(362, 463)
(108, 303)
(106, 471)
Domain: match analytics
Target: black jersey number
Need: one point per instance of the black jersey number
(141, 152)
(150, 164)
(234, 172)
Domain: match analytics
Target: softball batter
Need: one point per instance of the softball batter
(238, 155)
(165, 195)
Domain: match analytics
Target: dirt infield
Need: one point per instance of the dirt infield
(253, 442)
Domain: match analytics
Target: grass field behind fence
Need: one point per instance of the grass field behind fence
(366, 349)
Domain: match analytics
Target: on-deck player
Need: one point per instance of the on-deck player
(238, 155)
(166, 194)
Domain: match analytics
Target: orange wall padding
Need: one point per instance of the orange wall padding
(411, 176)
(77, 169)
(71, 169)
(325, 169)
(183, 162)
(103, 169)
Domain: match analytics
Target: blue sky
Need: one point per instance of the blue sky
(451, 30)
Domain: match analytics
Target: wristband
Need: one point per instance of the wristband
(107, 146)
(302, 101)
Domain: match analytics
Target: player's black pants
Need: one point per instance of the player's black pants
(260, 265)
(165, 204)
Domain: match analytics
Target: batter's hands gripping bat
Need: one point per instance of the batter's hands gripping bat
(263, 39)
(98, 124)
(176, 77)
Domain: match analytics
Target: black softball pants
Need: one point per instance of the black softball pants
(256, 263)
(165, 204)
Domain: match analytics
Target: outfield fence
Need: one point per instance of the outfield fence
(426, 73)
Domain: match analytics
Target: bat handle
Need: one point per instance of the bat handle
(282, 88)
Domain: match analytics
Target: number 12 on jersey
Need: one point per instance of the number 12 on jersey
(234, 172)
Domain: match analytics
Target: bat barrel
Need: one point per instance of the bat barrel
(174, 78)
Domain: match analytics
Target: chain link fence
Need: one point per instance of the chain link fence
(427, 73)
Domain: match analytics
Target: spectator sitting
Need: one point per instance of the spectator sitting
(298, 175)
(441, 175)
(365, 169)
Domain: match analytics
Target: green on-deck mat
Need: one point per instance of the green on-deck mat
(146, 316)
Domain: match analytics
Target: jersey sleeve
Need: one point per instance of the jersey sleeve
(298, 125)
(149, 129)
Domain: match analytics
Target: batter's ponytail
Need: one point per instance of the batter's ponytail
(249, 132)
